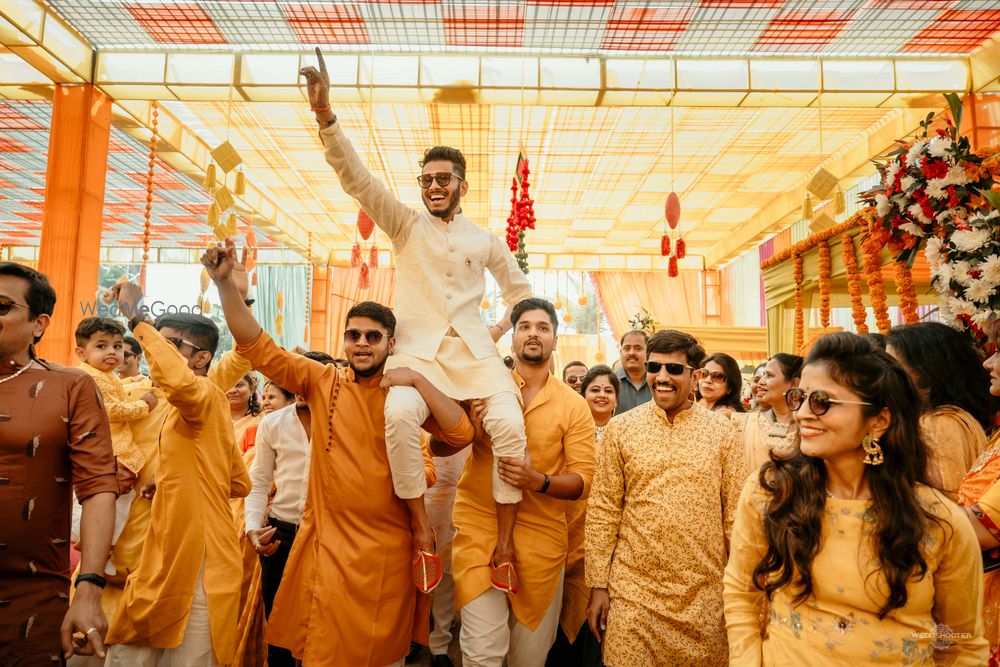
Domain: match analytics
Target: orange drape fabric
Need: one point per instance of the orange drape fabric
(343, 292)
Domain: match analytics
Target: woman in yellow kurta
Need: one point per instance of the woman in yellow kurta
(600, 388)
(810, 580)
(191, 537)
(771, 427)
(957, 412)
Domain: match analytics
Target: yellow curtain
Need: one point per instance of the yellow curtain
(672, 302)
(344, 293)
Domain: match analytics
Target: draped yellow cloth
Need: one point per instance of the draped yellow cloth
(673, 303)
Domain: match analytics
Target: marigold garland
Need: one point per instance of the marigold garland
(872, 247)
(907, 293)
(825, 271)
(800, 330)
(854, 284)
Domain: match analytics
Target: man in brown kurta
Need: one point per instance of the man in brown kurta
(54, 438)
(346, 597)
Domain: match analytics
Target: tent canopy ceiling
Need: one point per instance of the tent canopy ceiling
(583, 86)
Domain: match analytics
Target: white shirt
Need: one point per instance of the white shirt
(282, 458)
(440, 266)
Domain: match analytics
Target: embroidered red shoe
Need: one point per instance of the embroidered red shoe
(427, 570)
(503, 577)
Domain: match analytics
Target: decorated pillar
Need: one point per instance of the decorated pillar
(981, 120)
(319, 328)
(74, 204)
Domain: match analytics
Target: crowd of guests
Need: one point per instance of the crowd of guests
(831, 510)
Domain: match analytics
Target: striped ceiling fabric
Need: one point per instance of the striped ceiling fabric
(600, 176)
(697, 27)
(179, 204)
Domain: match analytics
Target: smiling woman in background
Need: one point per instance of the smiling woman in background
(720, 384)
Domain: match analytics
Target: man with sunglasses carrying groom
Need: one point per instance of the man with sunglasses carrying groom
(440, 260)
(662, 506)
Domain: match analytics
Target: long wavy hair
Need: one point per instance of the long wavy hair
(797, 485)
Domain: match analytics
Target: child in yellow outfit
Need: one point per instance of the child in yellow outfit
(100, 349)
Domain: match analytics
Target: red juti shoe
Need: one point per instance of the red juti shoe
(503, 577)
(427, 570)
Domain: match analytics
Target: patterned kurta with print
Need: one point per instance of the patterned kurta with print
(657, 534)
(54, 438)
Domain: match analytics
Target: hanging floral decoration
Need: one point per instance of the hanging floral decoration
(672, 217)
(148, 215)
(907, 292)
(858, 313)
(871, 246)
(825, 271)
(800, 332)
(681, 249)
(672, 266)
(522, 212)
(356, 255)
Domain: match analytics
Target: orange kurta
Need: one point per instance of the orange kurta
(191, 524)
(560, 432)
(346, 597)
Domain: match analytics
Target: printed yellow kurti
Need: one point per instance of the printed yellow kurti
(576, 594)
(954, 442)
(121, 412)
(838, 624)
(657, 534)
(560, 432)
(191, 523)
(980, 479)
(347, 597)
(762, 435)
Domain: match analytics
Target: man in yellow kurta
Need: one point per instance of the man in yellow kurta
(146, 437)
(661, 510)
(345, 598)
(559, 467)
(182, 601)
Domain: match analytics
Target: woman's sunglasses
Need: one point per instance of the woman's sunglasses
(819, 401)
(673, 368)
(373, 336)
(714, 376)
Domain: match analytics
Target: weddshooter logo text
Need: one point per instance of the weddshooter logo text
(942, 636)
(156, 308)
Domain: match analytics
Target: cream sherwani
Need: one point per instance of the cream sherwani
(439, 286)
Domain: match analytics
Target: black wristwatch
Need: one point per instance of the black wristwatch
(137, 320)
(545, 484)
(91, 578)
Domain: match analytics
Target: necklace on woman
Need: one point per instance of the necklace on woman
(14, 375)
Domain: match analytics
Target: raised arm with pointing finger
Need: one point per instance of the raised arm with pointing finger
(441, 260)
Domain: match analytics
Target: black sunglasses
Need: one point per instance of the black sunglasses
(819, 401)
(443, 179)
(177, 342)
(714, 376)
(129, 355)
(673, 368)
(373, 336)
(6, 304)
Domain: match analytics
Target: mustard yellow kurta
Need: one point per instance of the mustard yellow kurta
(576, 594)
(191, 524)
(560, 433)
(121, 412)
(954, 442)
(761, 436)
(346, 598)
(146, 436)
(838, 624)
(657, 534)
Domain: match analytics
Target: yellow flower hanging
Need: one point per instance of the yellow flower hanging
(485, 305)
(567, 317)
(279, 324)
(280, 300)
(240, 186)
(209, 181)
(582, 300)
